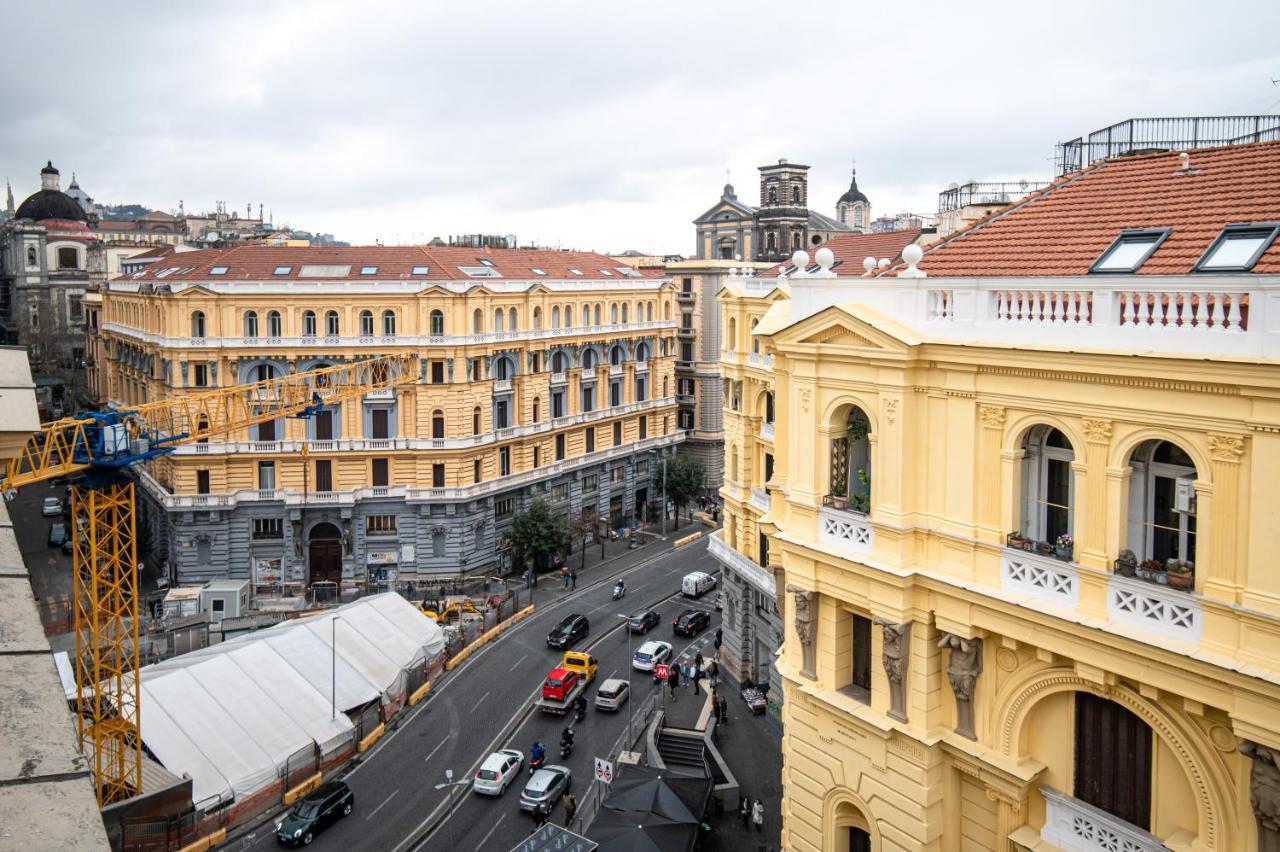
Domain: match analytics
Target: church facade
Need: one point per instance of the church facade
(782, 223)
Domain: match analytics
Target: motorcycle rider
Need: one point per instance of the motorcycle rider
(619, 589)
(537, 754)
(580, 706)
(566, 736)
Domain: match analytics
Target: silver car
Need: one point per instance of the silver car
(545, 788)
(51, 507)
(612, 694)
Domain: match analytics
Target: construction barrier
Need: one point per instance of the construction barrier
(458, 658)
(373, 737)
(419, 693)
(294, 793)
(207, 842)
(689, 539)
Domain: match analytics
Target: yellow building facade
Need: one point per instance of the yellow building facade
(1019, 524)
(542, 374)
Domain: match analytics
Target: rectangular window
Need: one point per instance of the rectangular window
(67, 258)
(379, 424)
(504, 461)
(535, 362)
(420, 270)
(202, 482)
(617, 476)
(477, 369)
(368, 270)
(642, 467)
(380, 525)
(559, 447)
(1238, 248)
(437, 476)
(218, 270)
(267, 431)
(588, 399)
(860, 677)
(686, 320)
(437, 372)
(642, 425)
(617, 433)
(590, 483)
(381, 473)
(537, 455)
(686, 420)
(686, 285)
(1129, 250)
(557, 404)
(560, 492)
(324, 475)
(475, 471)
(686, 351)
(502, 508)
(268, 528)
(768, 468)
(615, 394)
(202, 375)
(282, 270)
(589, 436)
(500, 415)
(266, 476)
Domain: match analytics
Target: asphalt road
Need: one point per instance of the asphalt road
(485, 705)
(50, 568)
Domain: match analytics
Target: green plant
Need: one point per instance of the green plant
(858, 427)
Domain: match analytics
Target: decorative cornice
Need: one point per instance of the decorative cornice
(1098, 431)
(1226, 448)
(1123, 381)
(992, 417)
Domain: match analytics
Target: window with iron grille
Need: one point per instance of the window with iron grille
(380, 525)
(268, 528)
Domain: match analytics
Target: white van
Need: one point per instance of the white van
(693, 585)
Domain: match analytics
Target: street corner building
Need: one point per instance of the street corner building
(1009, 501)
(543, 374)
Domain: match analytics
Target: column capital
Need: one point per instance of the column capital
(1226, 448)
(1098, 431)
(992, 416)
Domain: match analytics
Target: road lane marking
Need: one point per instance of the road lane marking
(476, 706)
(489, 834)
(384, 802)
(433, 751)
(518, 662)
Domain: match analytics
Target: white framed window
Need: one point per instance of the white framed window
(1048, 485)
(1238, 247)
(1162, 503)
(1130, 250)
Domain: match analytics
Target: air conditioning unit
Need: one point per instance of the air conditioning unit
(1184, 495)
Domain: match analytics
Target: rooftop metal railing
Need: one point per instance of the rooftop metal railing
(1173, 134)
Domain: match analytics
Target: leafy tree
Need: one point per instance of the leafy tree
(582, 526)
(537, 533)
(685, 475)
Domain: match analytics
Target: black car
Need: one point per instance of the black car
(313, 814)
(691, 622)
(643, 622)
(57, 534)
(573, 628)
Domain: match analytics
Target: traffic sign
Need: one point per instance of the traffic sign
(604, 770)
(661, 671)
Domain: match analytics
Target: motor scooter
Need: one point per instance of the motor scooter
(535, 763)
(566, 746)
(618, 591)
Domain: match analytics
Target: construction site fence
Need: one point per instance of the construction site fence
(166, 833)
(597, 791)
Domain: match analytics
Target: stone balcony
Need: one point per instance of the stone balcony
(745, 567)
(1075, 826)
(502, 385)
(766, 432)
(760, 499)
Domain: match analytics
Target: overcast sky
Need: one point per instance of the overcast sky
(591, 125)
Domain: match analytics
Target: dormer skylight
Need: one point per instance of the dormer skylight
(1238, 247)
(628, 271)
(1130, 250)
(537, 271)
(421, 270)
(282, 270)
(606, 272)
(576, 271)
(480, 271)
(218, 270)
(485, 261)
(368, 270)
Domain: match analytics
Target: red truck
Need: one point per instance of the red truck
(559, 690)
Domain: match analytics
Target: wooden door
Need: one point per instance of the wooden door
(1113, 760)
(859, 840)
(378, 423)
(324, 426)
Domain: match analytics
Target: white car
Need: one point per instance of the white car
(51, 507)
(651, 654)
(612, 694)
(496, 773)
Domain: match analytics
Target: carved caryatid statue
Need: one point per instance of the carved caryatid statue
(963, 670)
(806, 625)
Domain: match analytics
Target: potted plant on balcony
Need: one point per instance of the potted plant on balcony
(839, 490)
(1180, 573)
(1126, 563)
(1062, 547)
(1152, 570)
(1016, 540)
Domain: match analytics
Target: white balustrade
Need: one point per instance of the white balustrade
(939, 305)
(1075, 826)
(729, 356)
(1039, 577)
(559, 378)
(1044, 307)
(615, 369)
(844, 529)
(743, 566)
(766, 431)
(760, 499)
(1169, 613)
(502, 385)
(1184, 311)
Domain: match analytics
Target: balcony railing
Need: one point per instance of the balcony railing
(958, 197)
(615, 369)
(1040, 577)
(559, 378)
(746, 568)
(760, 499)
(845, 529)
(502, 385)
(766, 431)
(1173, 134)
(1167, 613)
(1076, 826)
(685, 296)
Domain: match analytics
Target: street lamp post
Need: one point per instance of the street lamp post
(626, 628)
(664, 496)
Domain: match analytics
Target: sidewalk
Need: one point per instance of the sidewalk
(754, 754)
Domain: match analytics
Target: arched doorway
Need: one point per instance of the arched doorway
(324, 554)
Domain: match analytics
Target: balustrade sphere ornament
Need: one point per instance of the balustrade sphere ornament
(869, 263)
(825, 258)
(800, 259)
(912, 254)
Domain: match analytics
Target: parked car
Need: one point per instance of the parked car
(51, 507)
(612, 694)
(696, 583)
(651, 654)
(545, 788)
(568, 631)
(643, 622)
(314, 813)
(691, 622)
(57, 534)
(496, 773)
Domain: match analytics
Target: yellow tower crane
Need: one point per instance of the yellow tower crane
(98, 449)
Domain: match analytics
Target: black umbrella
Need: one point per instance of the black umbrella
(649, 795)
(623, 831)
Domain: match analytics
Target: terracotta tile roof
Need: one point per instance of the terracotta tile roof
(1065, 227)
(392, 262)
(851, 249)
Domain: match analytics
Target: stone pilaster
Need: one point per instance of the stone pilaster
(1091, 511)
(1222, 581)
(1011, 814)
(989, 461)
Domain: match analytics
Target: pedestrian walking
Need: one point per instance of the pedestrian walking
(698, 661)
(573, 575)
(570, 808)
(723, 710)
(673, 680)
(757, 815)
(744, 811)
(719, 637)
(540, 815)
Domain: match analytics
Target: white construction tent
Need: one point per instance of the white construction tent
(231, 715)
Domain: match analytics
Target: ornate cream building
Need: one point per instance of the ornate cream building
(1019, 514)
(543, 373)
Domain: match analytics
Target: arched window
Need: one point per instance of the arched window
(388, 323)
(851, 461)
(250, 323)
(437, 323)
(475, 420)
(512, 325)
(502, 369)
(437, 424)
(262, 373)
(615, 355)
(768, 407)
(588, 359)
(1048, 486)
(666, 311)
(331, 324)
(586, 315)
(613, 313)
(559, 362)
(649, 312)
(771, 242)
(642, 352)
(773, 195)
(568, 316)
(308, 323)
(755, 341)
(555, 317)
(366, 323)
(273, 324)
(537, 409)
(537, 318)
(598, 313)
(797, 241)
(497, 320)
(33, 259)
(624, 313)
(731, 342)
(795, 195)
(477, 322)
(197, 323)
(437, 544)
(1162, 504)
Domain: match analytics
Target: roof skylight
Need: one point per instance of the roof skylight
(537, 271)
(218, 270)
(576, 271)
(485, 261)
(1130, 250)
(421, 270)
(368, 270)
(1238, 247)
(282, 270)
(606, 272)
(628, 271)
(480, 271)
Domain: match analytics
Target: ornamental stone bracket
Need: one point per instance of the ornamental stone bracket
(992, 417)
(1098, 431)
(1264, 793)
(806, 603)
(896, 651)
(963, 668)
(1226, 448)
